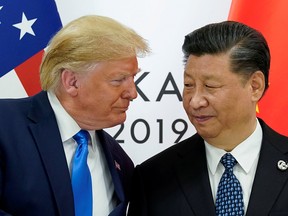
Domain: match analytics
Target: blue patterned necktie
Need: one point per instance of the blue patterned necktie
(81, 177)
(229, 198)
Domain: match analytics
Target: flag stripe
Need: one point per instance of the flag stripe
(28, 73)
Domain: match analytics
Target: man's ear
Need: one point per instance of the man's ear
(258, 85)
(70, 82)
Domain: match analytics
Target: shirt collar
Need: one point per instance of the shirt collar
(245, 153)
(67, 125)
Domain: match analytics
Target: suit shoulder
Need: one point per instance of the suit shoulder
(276, 139)
(271, 133)
(191, 144)
(12, 104)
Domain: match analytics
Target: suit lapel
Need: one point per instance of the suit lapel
(269, 180)
(194, 180)
(115, 171)
(47, 137)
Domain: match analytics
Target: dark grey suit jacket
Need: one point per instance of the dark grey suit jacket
(34, 176)
(176, 182)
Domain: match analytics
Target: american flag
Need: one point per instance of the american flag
(26, 26)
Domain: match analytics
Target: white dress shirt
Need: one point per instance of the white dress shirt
(102, 185)
(247, 155)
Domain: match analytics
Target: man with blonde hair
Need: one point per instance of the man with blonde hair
(87, 76)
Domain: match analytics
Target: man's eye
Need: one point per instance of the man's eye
(188, 85)
(119, 79)
(211, 86)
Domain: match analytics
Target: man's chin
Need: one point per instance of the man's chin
(117, 121)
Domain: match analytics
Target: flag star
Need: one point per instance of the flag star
(25, 26)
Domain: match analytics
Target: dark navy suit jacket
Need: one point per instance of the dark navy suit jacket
(34, 176)
(176, 181)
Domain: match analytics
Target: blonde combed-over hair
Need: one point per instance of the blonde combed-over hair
(84, 42)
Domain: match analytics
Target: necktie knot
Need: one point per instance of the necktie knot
(228, 161)
(82, 137)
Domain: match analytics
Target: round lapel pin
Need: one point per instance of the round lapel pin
(282, 165)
